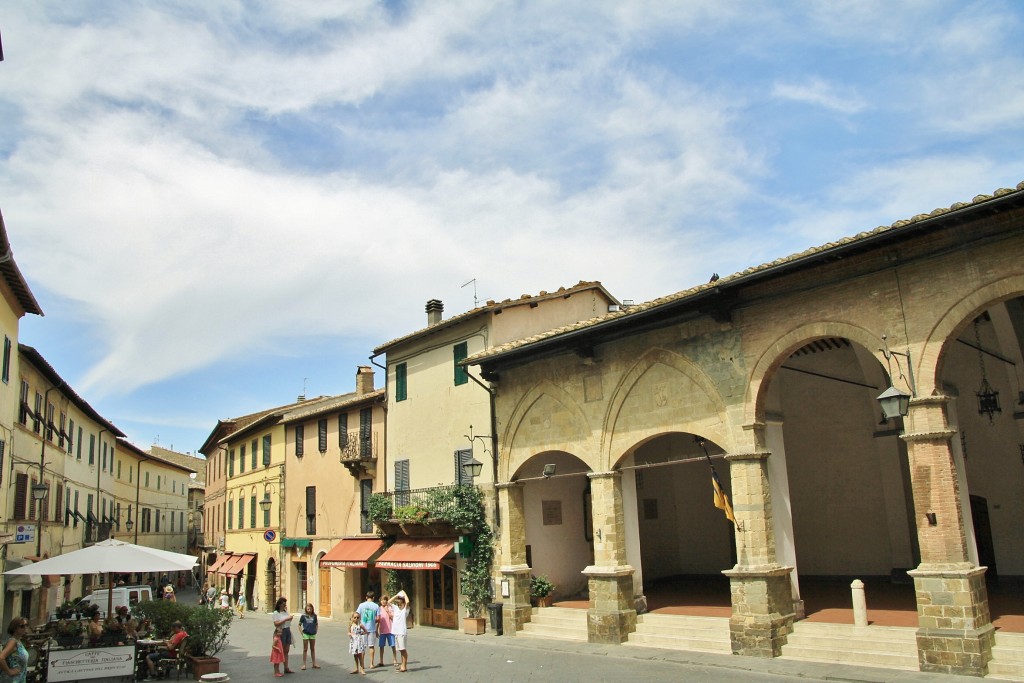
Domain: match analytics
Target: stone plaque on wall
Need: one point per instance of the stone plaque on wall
(552, 512)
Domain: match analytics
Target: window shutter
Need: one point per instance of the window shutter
(29, 500)
(241, 458)
(365, 491)
(231, 515)
(459, 353)
(461, 458)
(401, 381)
(252, 511)
(310, 510)
(401, 482)
(300, 433)
(366, 432)
(241, 512)
(231, 462)
(342, 431)
(20, 495)
(254, 445)
(266, 450)
(321, 428)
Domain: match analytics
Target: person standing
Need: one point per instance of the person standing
(385, 638)
(368, 611)
(14, 656)
(356, 643)
(283, 620)
(309, 625)
(240, 605)
(400, 627)
(211, 596)
(277, 652)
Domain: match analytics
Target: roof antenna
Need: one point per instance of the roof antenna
(476, 301)
(302, 396)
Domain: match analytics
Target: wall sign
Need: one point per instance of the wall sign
(269, 535)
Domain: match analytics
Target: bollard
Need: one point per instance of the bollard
(860, 605)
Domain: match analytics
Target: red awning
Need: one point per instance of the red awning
(221, 561)
(416, 553)
(351, 552)
(236, 565)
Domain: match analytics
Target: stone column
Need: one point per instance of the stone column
(955, 633)
(516, 607)
(611, 617)
(762, 598)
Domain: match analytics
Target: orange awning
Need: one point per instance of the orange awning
(236, 565)
(220, 562)
(416, 553)
(351, 552)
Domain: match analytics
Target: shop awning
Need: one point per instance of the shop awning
(23, 582)
(416, 553)
(296, 542)
(237, 564)
(351, 552)
(219, 563)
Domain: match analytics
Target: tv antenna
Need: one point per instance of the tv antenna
(476, 301)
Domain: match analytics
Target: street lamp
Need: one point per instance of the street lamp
(129, 525)
(896, 402)
(474, 467)
(39, 492)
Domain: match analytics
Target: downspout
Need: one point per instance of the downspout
(384, 479)
(42, 467)
(99, 471)
(494, 445)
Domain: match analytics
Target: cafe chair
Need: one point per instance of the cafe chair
(179, 664)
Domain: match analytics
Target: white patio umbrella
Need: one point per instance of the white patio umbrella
(107, 557)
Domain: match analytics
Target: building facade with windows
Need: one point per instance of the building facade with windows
(440, 417)
(17, 302)
(334, 452)
(157, 490)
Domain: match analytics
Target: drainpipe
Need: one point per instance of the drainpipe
(494, 445)
(384, 479)
(42, 469)
(99, 471)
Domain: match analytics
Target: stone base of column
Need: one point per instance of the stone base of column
(956, 633)
(612, 615)
(516, 609)
(762, 610)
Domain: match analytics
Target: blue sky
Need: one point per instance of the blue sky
(219, 203)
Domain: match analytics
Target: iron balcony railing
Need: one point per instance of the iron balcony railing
(422, 504)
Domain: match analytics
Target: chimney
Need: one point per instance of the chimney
(364, 380)
(435, 311)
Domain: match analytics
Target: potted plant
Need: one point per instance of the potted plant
(68, 632)
(541, 589)
(65, 610)
(207, 632)
(113, 632)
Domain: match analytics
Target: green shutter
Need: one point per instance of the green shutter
(459, 353)
(266, 450)
(401, 390)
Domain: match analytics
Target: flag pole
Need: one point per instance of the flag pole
(721, 500)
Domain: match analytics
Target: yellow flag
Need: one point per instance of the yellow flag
(721, 500)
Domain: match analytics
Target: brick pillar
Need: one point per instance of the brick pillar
(762, 596)
(955, 633)
(612, 616)
(516, 608)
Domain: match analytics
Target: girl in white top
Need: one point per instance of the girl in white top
(400, 626)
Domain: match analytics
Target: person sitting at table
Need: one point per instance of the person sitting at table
(131, 628)
(170, 648)
(95, 628)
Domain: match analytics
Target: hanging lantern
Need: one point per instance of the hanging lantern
(988, 398)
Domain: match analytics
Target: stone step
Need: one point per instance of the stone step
(888, 660)
(556, 622)
(1001, 671)
(547, 631)
(673, 642)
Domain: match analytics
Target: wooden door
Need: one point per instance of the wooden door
(325, 592)
(442, 590)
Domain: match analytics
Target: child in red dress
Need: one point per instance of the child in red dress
(277, 653)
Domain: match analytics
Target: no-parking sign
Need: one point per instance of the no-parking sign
(269, 535)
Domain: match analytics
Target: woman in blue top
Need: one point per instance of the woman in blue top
(14, 656)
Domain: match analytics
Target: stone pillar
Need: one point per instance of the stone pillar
(612, 616)
(955, 633)
(516, 607)
(762, 598)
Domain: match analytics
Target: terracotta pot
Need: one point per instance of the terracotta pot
(204, 665)
(546, 601)
(474, 626)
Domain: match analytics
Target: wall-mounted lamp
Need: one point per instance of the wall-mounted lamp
(548, 471)
(473, 468)
(896, 402)
(129, 525)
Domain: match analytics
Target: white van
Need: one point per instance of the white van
(126, 596)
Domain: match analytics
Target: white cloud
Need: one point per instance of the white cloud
(819, 93)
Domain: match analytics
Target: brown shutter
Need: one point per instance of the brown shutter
(20, 495)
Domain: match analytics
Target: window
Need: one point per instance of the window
(401, 382)
(31, 502)
(402, 482)
(231, 462)
(49, 421)
(459, 354)
(365, 490)
(158, 478)
(231, 515)
(118, 469)
(77, 514)
(266, 450)
(254, 449)
(61, 434)
(103, 458)
(300, 433)
(461, 458)
(310, 510)
(79, 451)
(58, 499)
(241, 512)
(88, 508)
(118, 518)
(92, 449)
(252, 510)
(241, 458)
(67, 508)
(366, 433)
(343, 431)
(157, 515)
(172, 522)
(71, 433)
(5, 375)
(20, 496)
(321, 434)
(147, 480)
(23, 410)
(37, 413)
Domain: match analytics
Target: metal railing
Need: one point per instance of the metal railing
(422, 504)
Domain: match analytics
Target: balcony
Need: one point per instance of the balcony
(420, 512)
(359, 454)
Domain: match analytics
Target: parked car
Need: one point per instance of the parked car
(126, 596)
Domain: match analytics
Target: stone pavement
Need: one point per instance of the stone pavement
(443, 655)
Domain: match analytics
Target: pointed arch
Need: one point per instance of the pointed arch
(571, 434)
(712, 422)
(776, 353)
